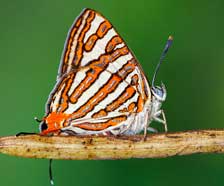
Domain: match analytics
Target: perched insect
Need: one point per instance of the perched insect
(101, 87)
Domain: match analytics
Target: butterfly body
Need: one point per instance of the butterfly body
(101, 87)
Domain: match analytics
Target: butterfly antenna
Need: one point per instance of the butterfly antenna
(35, 118)
(28, 133)
(50, 172)
(165, 50)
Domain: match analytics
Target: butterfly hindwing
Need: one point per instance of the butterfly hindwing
(100, 84)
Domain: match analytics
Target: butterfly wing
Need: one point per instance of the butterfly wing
(100, 86)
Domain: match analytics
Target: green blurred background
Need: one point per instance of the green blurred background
(32, 36)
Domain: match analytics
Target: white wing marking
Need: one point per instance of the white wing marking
(118, 63)
(98, 49)
(79, 76)
(104, 76)
(119, 46)
(74, 43)
(54, 104)
(94, 26)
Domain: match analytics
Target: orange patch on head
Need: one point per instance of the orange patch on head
(55, 121)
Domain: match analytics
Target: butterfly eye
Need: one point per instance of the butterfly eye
(159, 91)
(43, 126)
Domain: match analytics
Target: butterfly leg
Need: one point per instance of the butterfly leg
(145, 129)
(161, 120)
(145, 133)
(25, 133)
(151, 129)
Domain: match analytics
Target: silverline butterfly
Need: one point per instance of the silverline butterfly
(101, 87)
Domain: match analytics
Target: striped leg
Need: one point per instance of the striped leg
(145, 128)
(151, 129)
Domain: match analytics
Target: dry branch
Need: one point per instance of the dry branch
(96, 147)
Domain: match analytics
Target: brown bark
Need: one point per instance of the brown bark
(99, 147)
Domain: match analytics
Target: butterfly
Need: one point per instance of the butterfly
(101, 87)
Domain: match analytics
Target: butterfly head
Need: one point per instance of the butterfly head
(159, 92)
(43, 126)
(46, 128)
(53, 123)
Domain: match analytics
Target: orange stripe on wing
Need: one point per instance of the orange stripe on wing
(122, 73)
(64, 96)
(79, 49)
(99, 114)
(112, 43)
(109, 87)
(91, 42)
(91, 76)
(127, 94)
(131, 107)
(127, 68)
(100, 33)
(64, 87)
(140, 104)
(134, 80)
(103, 29)
(103, 125)
(96, 67)
(70, 40)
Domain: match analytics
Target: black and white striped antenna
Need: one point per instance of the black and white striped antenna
(165, 50)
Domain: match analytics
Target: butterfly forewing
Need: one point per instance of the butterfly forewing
(100, 87)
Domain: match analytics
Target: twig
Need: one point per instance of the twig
(98, 147)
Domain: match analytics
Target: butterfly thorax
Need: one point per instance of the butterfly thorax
(158, 97)
(155, 106)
